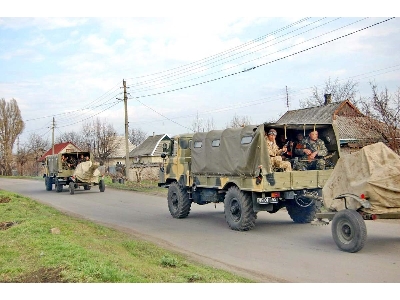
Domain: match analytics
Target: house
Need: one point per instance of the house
(149, 152)
(353, 127)
(60, 148)
(119, 154)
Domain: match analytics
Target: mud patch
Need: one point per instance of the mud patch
(5, 199)
(6, 225)
(43, 275)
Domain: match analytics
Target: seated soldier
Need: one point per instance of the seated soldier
(312, 153)
(275, 153)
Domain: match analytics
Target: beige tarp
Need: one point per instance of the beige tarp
(374, 170)
(87, 172)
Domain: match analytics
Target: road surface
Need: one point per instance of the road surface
(276, 250)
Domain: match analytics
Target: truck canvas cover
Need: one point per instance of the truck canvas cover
(233, 151)
(375, 170)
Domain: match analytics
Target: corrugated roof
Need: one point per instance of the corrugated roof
(57, 149)
(356, 128)
(315, 115)
(148, 146)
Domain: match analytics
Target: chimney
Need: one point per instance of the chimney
(328, 99)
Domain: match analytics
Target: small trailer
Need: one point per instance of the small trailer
(86, 174)
(370, 178)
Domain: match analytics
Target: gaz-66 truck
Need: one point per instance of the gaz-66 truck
(233, 166)
(73, 169)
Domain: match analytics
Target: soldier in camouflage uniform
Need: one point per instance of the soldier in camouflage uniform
(312, 153)
(275, 153)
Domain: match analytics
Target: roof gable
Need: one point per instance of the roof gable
(58, 148)
(149, 146)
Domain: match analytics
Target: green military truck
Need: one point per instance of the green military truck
(59, 170)
(233, 166)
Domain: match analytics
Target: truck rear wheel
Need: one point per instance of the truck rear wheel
(349, 231)
(238, 210)
(178, 201)
(301, 214)
(58, 186)
(48, 181)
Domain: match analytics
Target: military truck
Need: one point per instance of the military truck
(59, 170)
(233, 167)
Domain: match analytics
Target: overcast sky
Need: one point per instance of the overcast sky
(178, 65)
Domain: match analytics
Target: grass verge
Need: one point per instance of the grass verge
(41, 244)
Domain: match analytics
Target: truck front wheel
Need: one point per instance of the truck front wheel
(178, 201)
(238, 210)
(349, 231)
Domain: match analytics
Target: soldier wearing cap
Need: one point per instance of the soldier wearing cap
(312, 153)
(275, 153)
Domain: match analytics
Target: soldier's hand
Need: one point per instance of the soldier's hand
(307, 151)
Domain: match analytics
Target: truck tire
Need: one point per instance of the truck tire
(238, 210)
(301, 214)
(58, 186)
(178, 201)
(102, 186)
(71, 188)
(49, 183)
(349, 231)
(87, 187)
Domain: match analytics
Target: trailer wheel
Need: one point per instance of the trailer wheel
(49, 183)
(178, 201)
(71, 188)
(301, 214)
(102, 186)
(238, 210)
(349, 231)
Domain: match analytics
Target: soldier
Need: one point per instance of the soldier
(312, 154)
(275, 153)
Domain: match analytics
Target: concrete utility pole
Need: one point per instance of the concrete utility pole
(126, 130)
(52, 137)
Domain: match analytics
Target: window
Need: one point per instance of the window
(246, 140)
(215, 143)
(198, 144)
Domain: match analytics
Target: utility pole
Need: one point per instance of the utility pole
(52, 137)
(287, 98)
(126, 130)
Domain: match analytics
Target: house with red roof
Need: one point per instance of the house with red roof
(60, 148)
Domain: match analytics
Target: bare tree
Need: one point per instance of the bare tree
(197, 124)
(100, 138)
(383, 114)
(29, 153)
(238, 121)
(338, 91)
(72, 137)
(11, 126)
(137, 136)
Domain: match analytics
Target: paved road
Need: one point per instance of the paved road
(276, 250)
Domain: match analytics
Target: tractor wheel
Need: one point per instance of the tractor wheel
(49, 183)
(238, 210)
(301, 214)
(349, 231)
(178, 201)
(102, 186)
(71, 188)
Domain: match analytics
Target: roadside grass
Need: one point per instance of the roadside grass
(41, 244)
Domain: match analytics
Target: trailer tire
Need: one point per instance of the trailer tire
(102, 186)
(238, 210)
(300, 214)
(48, 181)
(178, 201)
(71, 188)
(349, 231)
